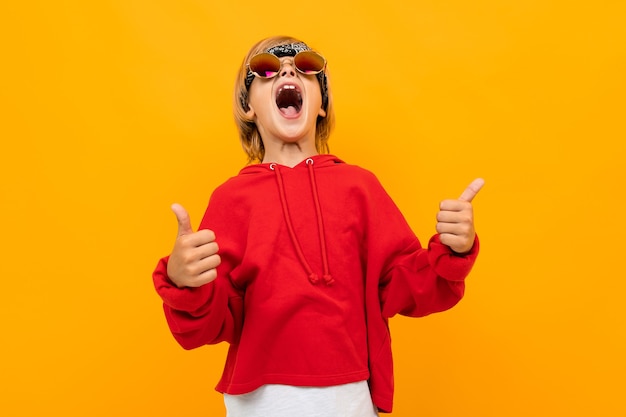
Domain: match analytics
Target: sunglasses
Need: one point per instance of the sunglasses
(266, 65)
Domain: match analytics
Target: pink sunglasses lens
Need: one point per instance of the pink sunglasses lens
(265, 65)
(309, 62)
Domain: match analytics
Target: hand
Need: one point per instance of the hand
(455, 220)
(194, 258)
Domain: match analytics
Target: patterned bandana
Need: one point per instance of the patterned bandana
(290, 49)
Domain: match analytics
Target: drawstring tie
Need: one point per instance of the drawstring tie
(313, 277)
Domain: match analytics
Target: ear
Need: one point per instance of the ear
(322, 112)
(250, 113)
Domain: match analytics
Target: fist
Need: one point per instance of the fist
(194, 259)
(455, 220)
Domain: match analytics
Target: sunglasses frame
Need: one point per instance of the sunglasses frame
(280, 64)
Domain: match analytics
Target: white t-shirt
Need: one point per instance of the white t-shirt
(348, 400)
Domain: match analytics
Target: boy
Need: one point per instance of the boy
(313, 256)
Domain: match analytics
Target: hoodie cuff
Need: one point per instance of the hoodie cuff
(183, 299)
(449, 264)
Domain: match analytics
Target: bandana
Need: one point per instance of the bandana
(290, 49)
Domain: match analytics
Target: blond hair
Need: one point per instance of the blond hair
(248, 131)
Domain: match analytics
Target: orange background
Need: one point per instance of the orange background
(113, 110)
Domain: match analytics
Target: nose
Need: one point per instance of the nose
(287, 69)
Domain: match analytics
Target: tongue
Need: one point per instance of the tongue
(289, 111)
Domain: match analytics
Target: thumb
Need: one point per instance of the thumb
(472, 189)
(184, 223)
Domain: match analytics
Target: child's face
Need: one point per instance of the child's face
(285, 108)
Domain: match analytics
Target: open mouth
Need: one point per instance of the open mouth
(289, 100)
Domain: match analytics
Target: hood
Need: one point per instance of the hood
(319, 161)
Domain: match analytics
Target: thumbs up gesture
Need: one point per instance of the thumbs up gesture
(455, 220)
(194, 258)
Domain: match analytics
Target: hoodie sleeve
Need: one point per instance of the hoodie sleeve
(423, 281)
(213, 312)
(198, 316)
(413, 280)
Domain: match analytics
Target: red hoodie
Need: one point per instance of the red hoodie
(315, 259)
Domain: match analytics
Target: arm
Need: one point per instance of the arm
(426, 280)
(419, 281)
(201, 307)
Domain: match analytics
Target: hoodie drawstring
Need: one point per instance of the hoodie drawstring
(313, 277)
(320, 224)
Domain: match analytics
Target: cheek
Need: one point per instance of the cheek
(260, 94)
(313, 93)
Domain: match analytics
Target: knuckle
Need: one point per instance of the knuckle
(186, 258)
(213, 248)
(207, 235)
(189, 270)
(465, 218)
(212, 274)
(202, 235)
(214, 261)
(207, 276)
